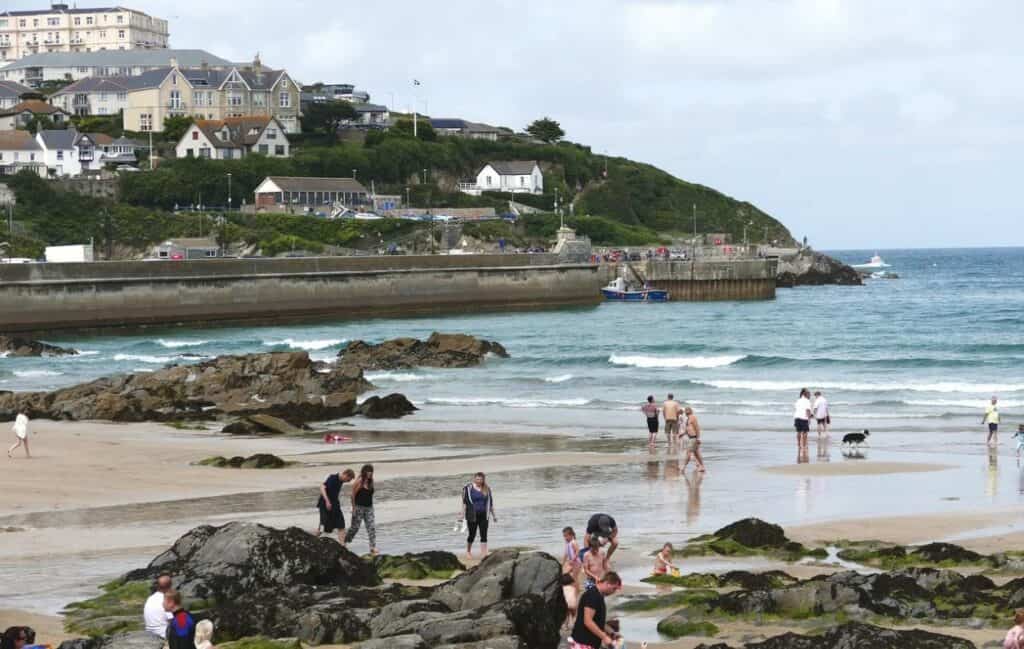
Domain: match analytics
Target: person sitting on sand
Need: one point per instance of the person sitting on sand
(204, 635)
(691, 436)
(329, 504)
(154, 617)
(1015, 636)
(595, 563)
(181, 630)
(15, 637)
(663, 560)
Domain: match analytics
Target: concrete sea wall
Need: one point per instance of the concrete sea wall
(46, 297)
(699, 281)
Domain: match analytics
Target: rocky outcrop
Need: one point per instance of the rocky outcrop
(262, 425)
(440, 350)
(421, 565)
(285, 385)
(254, 580)
(132, 640)
(258, 461)
(811, 268)
(392, 406)
(748, 537)
(17, 347)
(854, 634)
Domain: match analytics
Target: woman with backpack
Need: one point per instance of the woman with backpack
(478, 509)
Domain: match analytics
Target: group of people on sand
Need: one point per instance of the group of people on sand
(681, 427)
(164, 615)
(587, 578)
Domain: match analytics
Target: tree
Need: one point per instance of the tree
(328, 116)
(424, 130)
(546, 130)
(175, 127)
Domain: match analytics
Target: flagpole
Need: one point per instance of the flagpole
(415, 99)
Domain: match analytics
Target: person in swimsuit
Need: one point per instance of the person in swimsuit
(329, 504)
(571, 555)
(671, 410)
(595, 563)
(362, 508)
(663, 560)
(650, 410)
(691, 437)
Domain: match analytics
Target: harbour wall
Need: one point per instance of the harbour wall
(701, 281)
(52, 297)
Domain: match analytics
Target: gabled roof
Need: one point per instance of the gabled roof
(58, 138)
(18, 141)
(119, 58)
(513, 167)
(449, 123)
(240, 130)
(307, 184)
(212, 78)
(34, 106)
(95, 84)
(10, 89)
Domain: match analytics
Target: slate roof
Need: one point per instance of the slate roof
(239, 130)
(59, 138)
(447, 123)
(10, 89)
(306, 184)
(205, 78)
(513, 167)
(95, 84)
(370, 108)
(18, 141)
(118, 58)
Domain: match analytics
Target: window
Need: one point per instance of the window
(120, 20)
(103, 96)
(146, 122)
(264, 149)
(32, 157)
(522, 181)
(78, 20)
(285, 99)
(21, 23)
(120, 34)
(259, 99)
(175, 99)
(122, 96)
(60, 154)
(271, 133)
(279, 150)
(3, 22)
(204, 152)
(88, 20)
(235, 99)
(195, 135)
(103, 33)
(53, 22)
(488, 181)
(35, 22)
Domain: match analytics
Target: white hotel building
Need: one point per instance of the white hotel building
(62, 28)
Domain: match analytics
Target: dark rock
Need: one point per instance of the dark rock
(392, 406)
(243, 427)
(264, 461)
(810, 268)
(235, 462)
(133, 640)
(222, 563)
(288, 386)
(756, 580)
(422, 565)
(855, 635)
(17, 347)
(939, 552)
(440, 350)
(754, 533)
(411, 641)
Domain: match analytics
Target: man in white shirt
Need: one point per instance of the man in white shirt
(801, 418)
(153, 614)
(821, 414)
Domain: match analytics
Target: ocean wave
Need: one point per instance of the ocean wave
(175, 344)
(4, 354)
(755, 360)
(696, 362)
(973, 404)
(401, 377)
(308, 345)
(143, 370)
(948, 387)
(150, 358)
(28, 374)
(89, 352)
(509, 402)
(561, 378)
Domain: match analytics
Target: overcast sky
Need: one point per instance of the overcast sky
(862, 123)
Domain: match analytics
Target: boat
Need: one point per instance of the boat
(618, 291)
(884, 274)
(876, 263)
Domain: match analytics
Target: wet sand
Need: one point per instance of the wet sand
(855, 468)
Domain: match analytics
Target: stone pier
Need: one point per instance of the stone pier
(700, 281)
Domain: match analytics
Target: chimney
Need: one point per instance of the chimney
(257, 68)
(204, 65)
(174, 63)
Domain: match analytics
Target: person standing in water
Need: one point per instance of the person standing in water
(362, 508)
(671, 410)
(691, 437)
(802, 417)
(478, 508)
(991, 418)
(822, 416)
(650, 410)
(20, 429)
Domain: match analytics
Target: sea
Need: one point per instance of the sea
(923, 352)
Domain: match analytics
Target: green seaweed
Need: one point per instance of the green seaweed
(117, 609)
(690, 598)
(677, 629)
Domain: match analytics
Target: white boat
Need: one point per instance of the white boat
(876, 264)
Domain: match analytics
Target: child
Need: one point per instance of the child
(571, 593)
(595, 563)
(663, 561)
(571, 556)
(1020, 438)
(612, 628)
(1015, 636)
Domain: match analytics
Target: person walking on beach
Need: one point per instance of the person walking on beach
(691, 436)
(802, 417)
(821, 414)
(671, 409)
(154, 617)
(362, 508)
(589, 630)
(20, 429)
(477, 506)
(991, 418)
(650, 410)
(329, 504)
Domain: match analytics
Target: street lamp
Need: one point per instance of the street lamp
(408, 203)
(229, 191)
(354, 174)
(424, 176)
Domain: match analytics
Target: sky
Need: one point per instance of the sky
(860, 124)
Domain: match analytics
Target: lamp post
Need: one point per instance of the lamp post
(408, 203)
(229, 191)
(424, 176)
(693, 245)
(354, 173)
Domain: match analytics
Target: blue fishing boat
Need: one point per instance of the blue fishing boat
(618, 291)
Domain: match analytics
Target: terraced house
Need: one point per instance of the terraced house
(211, 94)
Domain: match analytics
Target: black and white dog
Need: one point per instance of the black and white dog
(856, 439)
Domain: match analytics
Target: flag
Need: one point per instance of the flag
(416, 82)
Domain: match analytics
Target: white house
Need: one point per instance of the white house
(93, 96)
(19, 150)
(234, 137)
(515, 176)
(68, 153)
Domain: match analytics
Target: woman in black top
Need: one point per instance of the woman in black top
(362, 507)
(477, 506)
(329, 504)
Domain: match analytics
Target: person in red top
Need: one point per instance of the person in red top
(181, 630)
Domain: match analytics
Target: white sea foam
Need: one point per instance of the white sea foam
(946, 387)
(144, 370)
(561, 378)
(175, 344)
(308, 345)
(509, 403)
(974, 404)
(146, 358)
(400, 377)
(4, 354)
(696, 362)
(28, 374)
(89, 353)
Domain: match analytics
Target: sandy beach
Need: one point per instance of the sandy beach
(98, 499)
